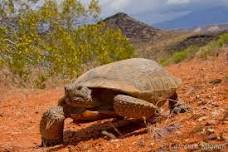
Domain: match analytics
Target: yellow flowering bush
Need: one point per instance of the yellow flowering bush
(52, 40)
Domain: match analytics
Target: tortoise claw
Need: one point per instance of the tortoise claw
(180, 108)
(51, 142)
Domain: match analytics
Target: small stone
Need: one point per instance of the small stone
(210, 130)
(223, 137)
(114, 140)
(141, 143)
(186, 140)
(152, 144)
(212, 137)
(197, 96)
(178, 132)
(202, 102)
(211, 122)
(215, 81)
(202, 118)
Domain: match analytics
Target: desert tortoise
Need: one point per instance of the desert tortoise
(132, 88)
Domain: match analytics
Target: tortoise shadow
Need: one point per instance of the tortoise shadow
(118, 128)
(125, 127)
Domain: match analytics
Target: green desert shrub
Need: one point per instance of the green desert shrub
(179, 56)
(210, 49)
(223, 39)
(63, 49)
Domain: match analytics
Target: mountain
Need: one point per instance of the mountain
(149, 41)
(133, 29)
(215, 15)
(210, 28)
(155, 43)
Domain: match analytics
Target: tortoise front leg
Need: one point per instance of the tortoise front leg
(176, 106)
(52, 122)
(51, 126)
(133, 107)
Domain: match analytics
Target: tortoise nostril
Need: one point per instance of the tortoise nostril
(66, 89)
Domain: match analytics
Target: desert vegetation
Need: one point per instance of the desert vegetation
(53, 41)
(205, 51)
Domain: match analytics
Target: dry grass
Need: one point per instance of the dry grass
(162, 46)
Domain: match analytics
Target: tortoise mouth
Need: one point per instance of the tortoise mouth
(78, 99)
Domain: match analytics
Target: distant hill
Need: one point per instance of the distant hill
(155, 43)
(149, 41)
(215, 15)
(132, 28)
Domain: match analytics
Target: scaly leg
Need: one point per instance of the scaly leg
(131, 107)
(51, 126)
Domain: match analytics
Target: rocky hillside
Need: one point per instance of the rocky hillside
(155, 43)
(198, 39)
(132, 28)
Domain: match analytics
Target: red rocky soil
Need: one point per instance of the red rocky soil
(205, 89)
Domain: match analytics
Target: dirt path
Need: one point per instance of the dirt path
(21, 110)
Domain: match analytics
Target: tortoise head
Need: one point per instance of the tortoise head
(79, 96)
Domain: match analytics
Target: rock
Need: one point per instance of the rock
(223, 137)
(162, 132)
(202, 102)
(215, 81)
(114, 140)
(212, 137)
(202, 118)
(210, 130)
(211, 122)
(141, 143)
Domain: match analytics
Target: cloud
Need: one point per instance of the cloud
(119, 4)
(156, 10)
(225, 2)
(131, 6)
(178, 2)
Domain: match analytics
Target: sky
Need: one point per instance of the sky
(156, 11)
